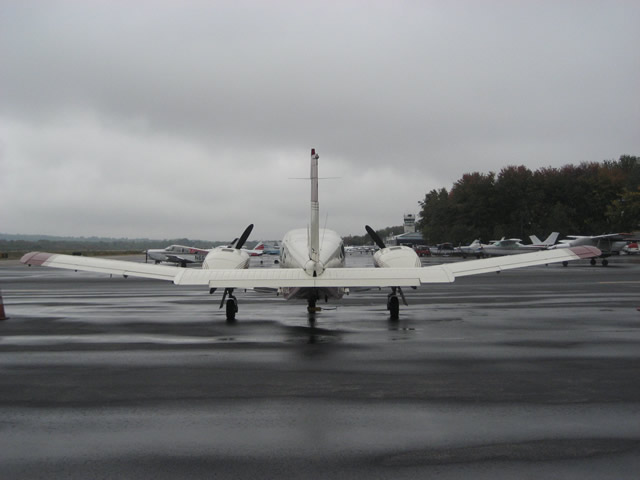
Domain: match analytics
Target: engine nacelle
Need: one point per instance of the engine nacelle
(225, 257)
(396, 257)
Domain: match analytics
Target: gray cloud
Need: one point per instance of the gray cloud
(166, 119)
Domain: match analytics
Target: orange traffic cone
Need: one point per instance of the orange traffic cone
(2, 315)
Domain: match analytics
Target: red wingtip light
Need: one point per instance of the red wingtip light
(313, 151)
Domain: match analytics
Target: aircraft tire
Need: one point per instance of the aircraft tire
(394, 308)
(605, 262)
(231, 309)
(593, 261)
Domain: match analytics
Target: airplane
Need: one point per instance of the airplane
(361, 249)
(267, 249)
(550, 240)
(609, 244)
(507, 247)
(311, 266)
(512, 246)
(177, 254)
(474, 248)
(631, 249)
(254, 252)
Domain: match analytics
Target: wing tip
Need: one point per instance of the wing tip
(36, 258)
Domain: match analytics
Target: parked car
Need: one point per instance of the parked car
(422, 250)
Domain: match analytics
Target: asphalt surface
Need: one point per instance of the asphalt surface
(531, 373)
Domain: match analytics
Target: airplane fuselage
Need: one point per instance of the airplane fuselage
(294, 253)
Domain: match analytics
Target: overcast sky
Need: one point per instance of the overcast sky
(167, 119)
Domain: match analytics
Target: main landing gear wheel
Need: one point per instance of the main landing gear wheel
(311, 306)
(231, 308)
(393, 305)
(605, 262)
(592, 261)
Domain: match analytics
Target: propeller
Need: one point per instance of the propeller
(374, 236)
(378, 241)
(243, 238)
(237, 244)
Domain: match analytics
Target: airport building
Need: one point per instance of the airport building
(410, 236)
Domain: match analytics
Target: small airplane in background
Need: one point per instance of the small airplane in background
(507, 246)
(267, 249)
(550, 240)
(513, 246)
(253, 252)
(361, 249)
(179, 254)
(312, 262)
(609, 244)
(631, 249)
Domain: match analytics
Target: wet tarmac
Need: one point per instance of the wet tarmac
(531, 373)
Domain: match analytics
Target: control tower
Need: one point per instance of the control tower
(409, 223)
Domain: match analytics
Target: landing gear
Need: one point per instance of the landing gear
(231, 305)
(393, 305)
(593, 262)
(231, 308)
(605, 262)
(311, 305)
(564, 264)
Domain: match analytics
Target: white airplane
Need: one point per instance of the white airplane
(362, 249)
(609, 244)
(253, 252)
(311, 261)
(513, 246)
(550, 240)
(267, 249)
(474, 248)
(509, 246)
(177, 254)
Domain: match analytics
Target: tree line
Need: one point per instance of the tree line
(588, 199)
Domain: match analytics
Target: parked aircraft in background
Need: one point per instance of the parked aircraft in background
(361, 249)
(509, 246)
(609, 244)
(550, 240)
(177, 254)
(311, 261)
(267, 249)
(631, 249)
(253, 252)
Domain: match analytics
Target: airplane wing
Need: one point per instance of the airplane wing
(292, 277)
(101, 265)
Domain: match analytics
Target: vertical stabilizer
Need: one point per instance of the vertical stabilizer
(314, 226)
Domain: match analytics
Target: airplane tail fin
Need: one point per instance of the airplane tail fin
(551, 239)
(535, 240)
(260, 246)
(314, 226)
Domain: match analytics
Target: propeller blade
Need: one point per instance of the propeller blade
(243, 237)
(374, 236)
